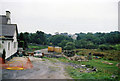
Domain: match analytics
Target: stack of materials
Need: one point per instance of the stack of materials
(58, 49)
(76, 58)
(54, 49)
(50, 49)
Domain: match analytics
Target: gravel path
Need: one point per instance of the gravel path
(42, 69)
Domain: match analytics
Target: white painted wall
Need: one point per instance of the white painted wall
(74, 37)
(12, 50)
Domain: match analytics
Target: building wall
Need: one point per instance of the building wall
(15, 43)
(12, 49)
(5, 46)
(74, 37)
(1, 46)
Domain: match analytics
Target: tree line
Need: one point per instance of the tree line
(84, 40)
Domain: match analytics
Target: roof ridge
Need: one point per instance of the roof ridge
(3, 15)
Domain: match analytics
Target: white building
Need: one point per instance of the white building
(74, 37)
(8, 35)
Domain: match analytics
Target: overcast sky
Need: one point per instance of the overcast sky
(72, 16)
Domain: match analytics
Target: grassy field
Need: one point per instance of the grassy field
(105, 71)
(36, 47)
(108, 54)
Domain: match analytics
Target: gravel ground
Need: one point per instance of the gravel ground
(42, 69)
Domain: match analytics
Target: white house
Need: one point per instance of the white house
(74, 37)
(8, 35)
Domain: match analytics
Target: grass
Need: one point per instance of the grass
(36, 47)
(104, 71)
(108, 54)
(75, 74)
(105, 68)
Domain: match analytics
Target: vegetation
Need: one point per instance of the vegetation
(104, 45)
(69, 53)
(103, 41)
(105, 54)
(4, 55)
(33, 47)
(69, 46)
(22, 41)
(59, 40)
(37, 47)
(104, 71)
(26, 38)
(75, 74)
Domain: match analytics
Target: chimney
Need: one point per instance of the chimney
(8, 17)
(8, 14)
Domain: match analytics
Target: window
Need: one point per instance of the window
(2, 41)
(14, 44)
(9, 46)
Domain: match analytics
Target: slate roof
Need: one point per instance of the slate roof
(3, 19)
(8, 29)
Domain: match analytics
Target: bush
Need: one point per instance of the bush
(69, 46)
(106, 54)
(117, 47)
(109, 47)
(99, 54)
(111, 58)
(69, 53)
(4, 55)
(104, 47)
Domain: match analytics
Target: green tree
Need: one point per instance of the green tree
(21, 36)
(63, 43)
(90, 45)
(22, 41)
(103, 47)
(69, 46)
(85, 44)
(56, 39)
(27, 37)
(40, 38)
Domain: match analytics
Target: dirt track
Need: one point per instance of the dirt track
(42, 69)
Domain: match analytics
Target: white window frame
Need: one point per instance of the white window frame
(8, 45)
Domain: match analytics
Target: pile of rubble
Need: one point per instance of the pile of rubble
(77, 58)
(84, 68)
(118, 65)
(105, 62)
